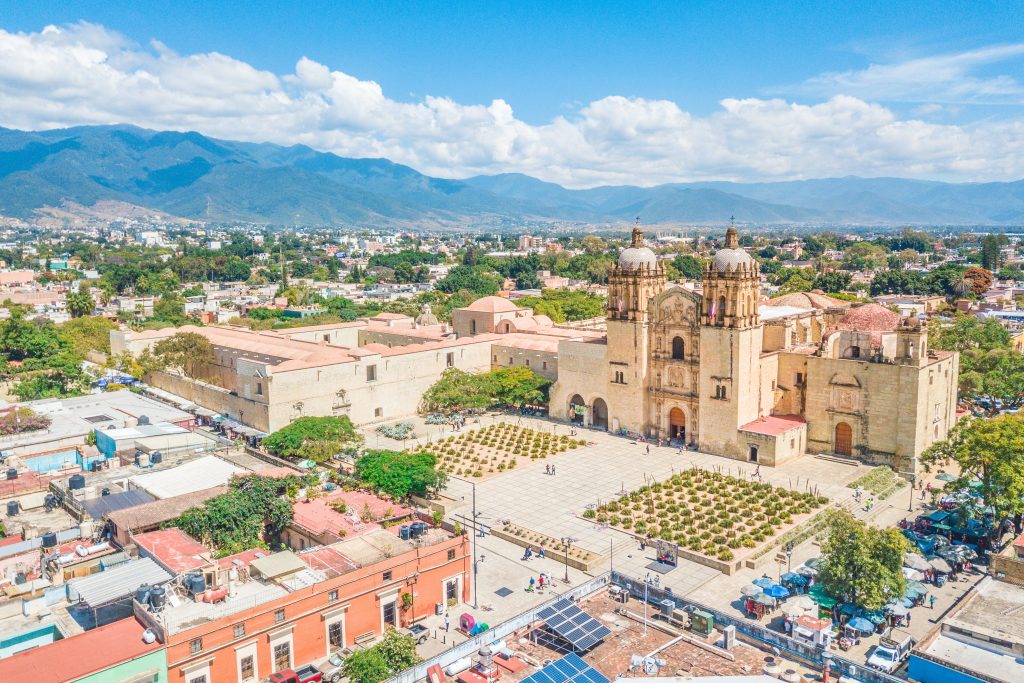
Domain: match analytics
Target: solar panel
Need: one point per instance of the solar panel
(573, 624)
(568, 669)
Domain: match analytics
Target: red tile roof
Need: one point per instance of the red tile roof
(174, 549)
(773, 425)
(318, 517)
(80, 655)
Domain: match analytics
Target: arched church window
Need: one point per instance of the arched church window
(678, 348)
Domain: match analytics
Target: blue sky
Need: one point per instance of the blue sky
(587, 92)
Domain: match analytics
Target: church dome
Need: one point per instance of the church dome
(635, 258)
(870, 318)
(732, 257)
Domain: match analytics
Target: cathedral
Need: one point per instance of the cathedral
(765, 381)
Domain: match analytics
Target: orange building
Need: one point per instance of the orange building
(258, 614)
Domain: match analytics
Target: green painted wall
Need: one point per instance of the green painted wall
(153, 662)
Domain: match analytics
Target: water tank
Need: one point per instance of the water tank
(196, 583)
(50, 501)
(12, 508)
(105, 491)
(156, 457)
(12, 473)
(157, 597)
(86, 530)
(403, 532)
(148, 637)
(417, 529)
(142, 460)
(50, 540)
(20, 578)
(142, 594)
(96, 466)
(76, 482)
(143, 420)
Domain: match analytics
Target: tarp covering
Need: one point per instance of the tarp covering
(117, 583)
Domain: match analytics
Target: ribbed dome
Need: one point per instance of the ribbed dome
(732, 257)
(870, 318)
(635, 258)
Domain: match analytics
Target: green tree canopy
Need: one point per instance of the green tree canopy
(400, 474)
(458, 390)
(476, 279)
(862, 564)
(689, 267)
(187, 352)
(990, 450)
(315, 438)
(394, 653)
(561, 305)
(991, 371)
(80, 303)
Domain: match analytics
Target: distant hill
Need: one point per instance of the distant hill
(195, 177)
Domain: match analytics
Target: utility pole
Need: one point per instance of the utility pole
(475, 534)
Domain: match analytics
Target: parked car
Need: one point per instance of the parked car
(331, 668)
(417, 632)
(304, 674)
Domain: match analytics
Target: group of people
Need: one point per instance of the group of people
(529, 553)
(549, 469)
(539, 583)
(858, 494)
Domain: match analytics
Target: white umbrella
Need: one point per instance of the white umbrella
(897, 609)
(750, 590)
(917, 562)
(804, 570)
(912, 574)
(940, 565)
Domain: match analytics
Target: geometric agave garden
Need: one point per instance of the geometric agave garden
(708, 512)
(496, 448)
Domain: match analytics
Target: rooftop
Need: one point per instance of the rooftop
(174, 549)
(492, 304)
(995, 611)
(79, 655)
(160, 511)
(194, 475)
(362, 512)
(773, 425)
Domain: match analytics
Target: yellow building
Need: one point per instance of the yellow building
(760, 381)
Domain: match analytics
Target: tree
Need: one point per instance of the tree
(991, 371)
(980, 280)
(457, 390)
(592, 244)
(519, 386)
(394, 653)
(170, 309)
(563, 305)
(689, 267)
(400, 474)
(80, 303)
(794, 279)
(253, 513)
(833, 282)
(187, 352)
(315, 438)
(992, 252)
(864, 256)
(862, 564)
(898, 282)
(89, 333)
(528, 281)
(988, 450)
(474, 278)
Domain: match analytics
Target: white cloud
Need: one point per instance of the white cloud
(86, 74)
(948, 78)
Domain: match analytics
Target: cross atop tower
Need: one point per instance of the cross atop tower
(638, 235)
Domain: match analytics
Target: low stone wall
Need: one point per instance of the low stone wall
(579, 558)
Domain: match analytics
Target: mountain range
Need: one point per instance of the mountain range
(192, 176)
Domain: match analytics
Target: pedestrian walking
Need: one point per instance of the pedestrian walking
(540, 554)
(648, 449)
(447, 622)
(547, 469)
(659, 442)
(931, 602)
(552, 470)
(908, 618)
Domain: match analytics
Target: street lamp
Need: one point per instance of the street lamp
(475, 533)
(566, 543)
(910, 503)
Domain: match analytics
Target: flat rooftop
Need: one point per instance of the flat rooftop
(248, 594)
(976, 658)
(996, 611)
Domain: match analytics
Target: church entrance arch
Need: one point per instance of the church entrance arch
(577, 409)
(677, 424)
(844, 439)
(600, 409)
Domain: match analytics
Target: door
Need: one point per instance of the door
(577, 409)
(600, 413)
(389, 613)
(677, 424)
(844, 439)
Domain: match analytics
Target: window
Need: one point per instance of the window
(195, 646)
(387, 575)
(472, 327)
(527, 362)
(259, 388)
(389, 613)
(450, 360)
(336, 634)
(678, 348)
(279, 616)
(620, 377)
(201, 678)
(239, 630)
(451, 554)
(378, 412)
(282, 656)
(247, 668)
(495, 358)
(799, 379)
(545, 365)
(723, 393)
(854, 352)
(371, 373)
(327, 337)
(333, 596)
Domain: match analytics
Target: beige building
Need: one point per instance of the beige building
(724, 372)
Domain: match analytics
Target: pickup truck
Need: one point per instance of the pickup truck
(890, 653)
(417, 632)
(304, 674)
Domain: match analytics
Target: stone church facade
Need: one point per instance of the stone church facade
(759, 381)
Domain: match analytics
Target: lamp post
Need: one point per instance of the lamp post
(910, 503)
(826, 657)
(475, 532)
(566, 543)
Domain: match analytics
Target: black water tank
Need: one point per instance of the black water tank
(76, 482)
(155, 457)
(50, 539)
(157, 596)
(20, 578)
(96, 465)
(105, 491)
(196, 583)
(12, 508)
(403, 532)
(142, 594)
(143, 420)
(12, 473)
(417, 529)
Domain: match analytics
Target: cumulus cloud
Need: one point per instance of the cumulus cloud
(88, 74)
